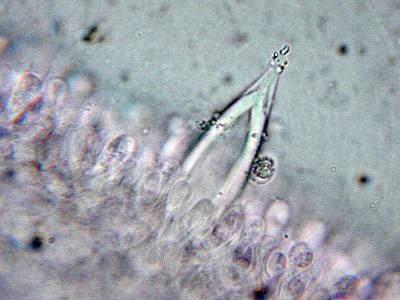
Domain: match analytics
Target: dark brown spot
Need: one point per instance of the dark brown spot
(261, 293)
(125, 76)
(343, 50)
(91, 33)
(227, 79)
(363, 179)
(36, 243)
(240, 38)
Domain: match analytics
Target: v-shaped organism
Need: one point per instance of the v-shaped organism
(257, 99)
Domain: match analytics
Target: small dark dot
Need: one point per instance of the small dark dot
(363, 50)
(52, 239)
(363, 179)
(36, 243)
(261, 293)
(228, 79)
(343, 49)
(286, 236)
(125, 76)
(240, 38)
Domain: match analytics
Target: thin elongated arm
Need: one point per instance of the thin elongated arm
(238, 174)
(228, 117)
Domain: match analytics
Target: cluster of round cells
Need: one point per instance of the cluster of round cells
(92, 185)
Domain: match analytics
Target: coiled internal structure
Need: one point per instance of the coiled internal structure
(123, 219)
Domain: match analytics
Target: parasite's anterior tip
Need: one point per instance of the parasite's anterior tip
(285, 50)
(279, 59)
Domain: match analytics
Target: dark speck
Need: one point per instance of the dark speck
(228, 79)
(36, 243)
(363, 179)
(261, 293)
(343, 49)
(363, 50)
(164, 8)
(125, 76)
(90, 36)
(240, 38)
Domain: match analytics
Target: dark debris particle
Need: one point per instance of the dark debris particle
(363, 50)
(240, 38)
(343, 49)
(56, 25)
(8, 174)
(228, 78)
(91, 35)
(52, 240)
(363, 179)
(36, 243)
(125, 76)
(261, 293)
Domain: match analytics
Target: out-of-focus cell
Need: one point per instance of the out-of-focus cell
(230, 225)
(276, 263)
(151, 181)
(4, 42)
(178, 195)
(276, 217)
(149, 191)
(300, 255)
(198, 215)
(313, 233)
(255, 231)
(171, 257)
(134, 233)
(262, 170)
(26, 88)
(87, 142)
(199, 281)
(195, 249)
(81, 85)
(169, 167)
(55, 97)
(243, 255)
(117, 265)
(294, 287)
(114, 156)
(387, 286)
(319, 293)
(176, 143)
(4, 132)
(346, 286)
(231, 276)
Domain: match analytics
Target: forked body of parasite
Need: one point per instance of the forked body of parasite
(121, 202)
(257, 99)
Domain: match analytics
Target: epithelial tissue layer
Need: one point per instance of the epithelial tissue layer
(93, 207)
